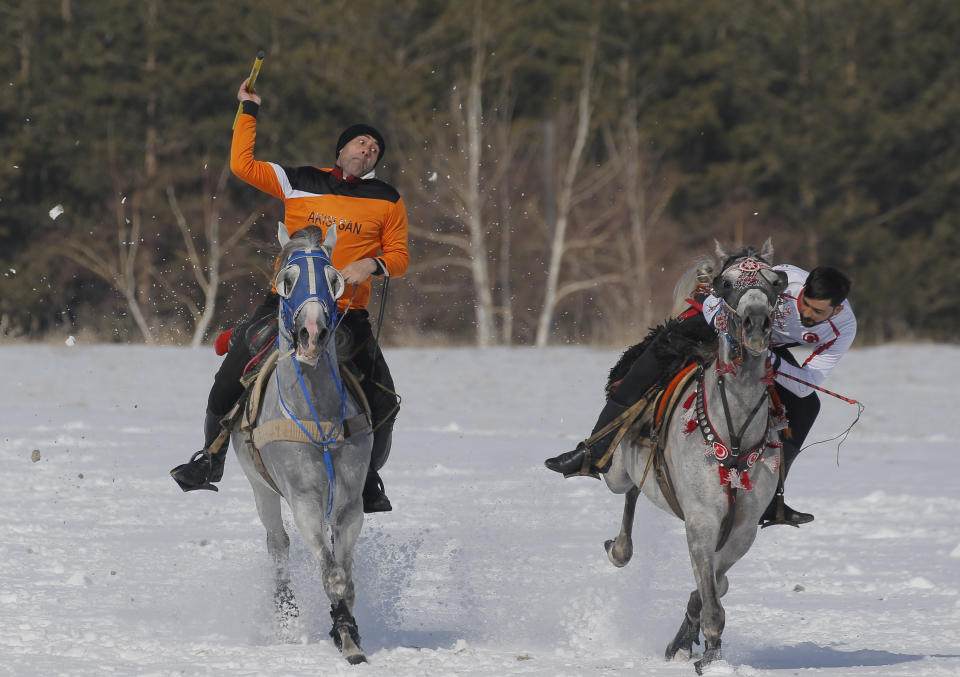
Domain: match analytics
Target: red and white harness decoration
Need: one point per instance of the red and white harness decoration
(733, 477)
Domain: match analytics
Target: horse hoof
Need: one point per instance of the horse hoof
(350, 649)
(709, 656)
(618, 559)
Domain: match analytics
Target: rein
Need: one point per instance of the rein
(842, 436)
(325, 439)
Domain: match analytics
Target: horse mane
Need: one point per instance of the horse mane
(765, 254)
(697, 277)
(311, 236)
(677, 350)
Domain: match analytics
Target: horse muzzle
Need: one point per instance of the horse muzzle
(311, 334)
(754, 323)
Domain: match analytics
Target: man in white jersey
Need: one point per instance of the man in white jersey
(813, 312)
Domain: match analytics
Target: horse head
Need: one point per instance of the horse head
(750, 290)
(309, 287)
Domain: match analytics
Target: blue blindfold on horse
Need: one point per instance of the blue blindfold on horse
(308, 275)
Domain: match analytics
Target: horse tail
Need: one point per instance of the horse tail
(694, 280)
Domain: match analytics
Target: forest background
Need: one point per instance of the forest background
(561, 161)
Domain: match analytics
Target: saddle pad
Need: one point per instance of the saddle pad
(288, 430)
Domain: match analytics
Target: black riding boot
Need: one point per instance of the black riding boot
(583, 460)
(639, 378)
(772, 514)
(374, 498)
(377, 385)
(206, 465)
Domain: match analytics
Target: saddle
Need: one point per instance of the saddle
(645, 422)
(247, 409)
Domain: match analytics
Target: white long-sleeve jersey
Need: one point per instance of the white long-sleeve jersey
(829, 340)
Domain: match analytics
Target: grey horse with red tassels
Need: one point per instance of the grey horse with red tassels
(714, 450)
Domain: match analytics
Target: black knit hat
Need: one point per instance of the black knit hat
(353, 131)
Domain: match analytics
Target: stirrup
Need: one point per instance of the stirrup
(780, 515)
(195, 474)
(559, 463)
(586, 467)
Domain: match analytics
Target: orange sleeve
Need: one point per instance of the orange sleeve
(262, 175)
(395, 255)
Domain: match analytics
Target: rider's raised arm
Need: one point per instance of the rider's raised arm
(266, 176)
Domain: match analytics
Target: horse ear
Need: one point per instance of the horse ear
(766, 252)
(330, 239)
(721, 254)
(282, 234)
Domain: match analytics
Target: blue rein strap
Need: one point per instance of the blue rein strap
(289, 322)
(325, 440)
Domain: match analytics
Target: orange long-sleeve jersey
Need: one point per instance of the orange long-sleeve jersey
(369, 214)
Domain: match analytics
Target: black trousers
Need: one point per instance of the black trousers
(801, 412)
(376, 380)
(669, 350)
(226, 388)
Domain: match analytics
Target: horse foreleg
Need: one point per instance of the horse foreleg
(701, 544)
(345, 633)
(681, 648)
(278, 547)
(338, 579)
(620, 550)
(333, 546)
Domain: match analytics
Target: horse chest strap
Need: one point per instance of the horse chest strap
(286, 430)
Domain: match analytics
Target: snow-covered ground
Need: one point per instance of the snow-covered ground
(489, 564)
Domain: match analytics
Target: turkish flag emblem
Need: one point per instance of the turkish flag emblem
(810, 337)
(720, 451)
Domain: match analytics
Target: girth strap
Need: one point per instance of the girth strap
(659, 452)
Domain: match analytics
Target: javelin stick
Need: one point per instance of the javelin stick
(250, 82)
(822, 390)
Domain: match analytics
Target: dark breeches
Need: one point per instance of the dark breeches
(801, 412)
(666, 352)
(226, 388)
(376, 382)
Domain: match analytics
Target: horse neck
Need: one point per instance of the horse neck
(748, 369)
(744, 387)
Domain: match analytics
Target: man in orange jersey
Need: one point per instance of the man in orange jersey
(371, 223)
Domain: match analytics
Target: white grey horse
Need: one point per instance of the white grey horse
(321, 476)
(728, 419)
